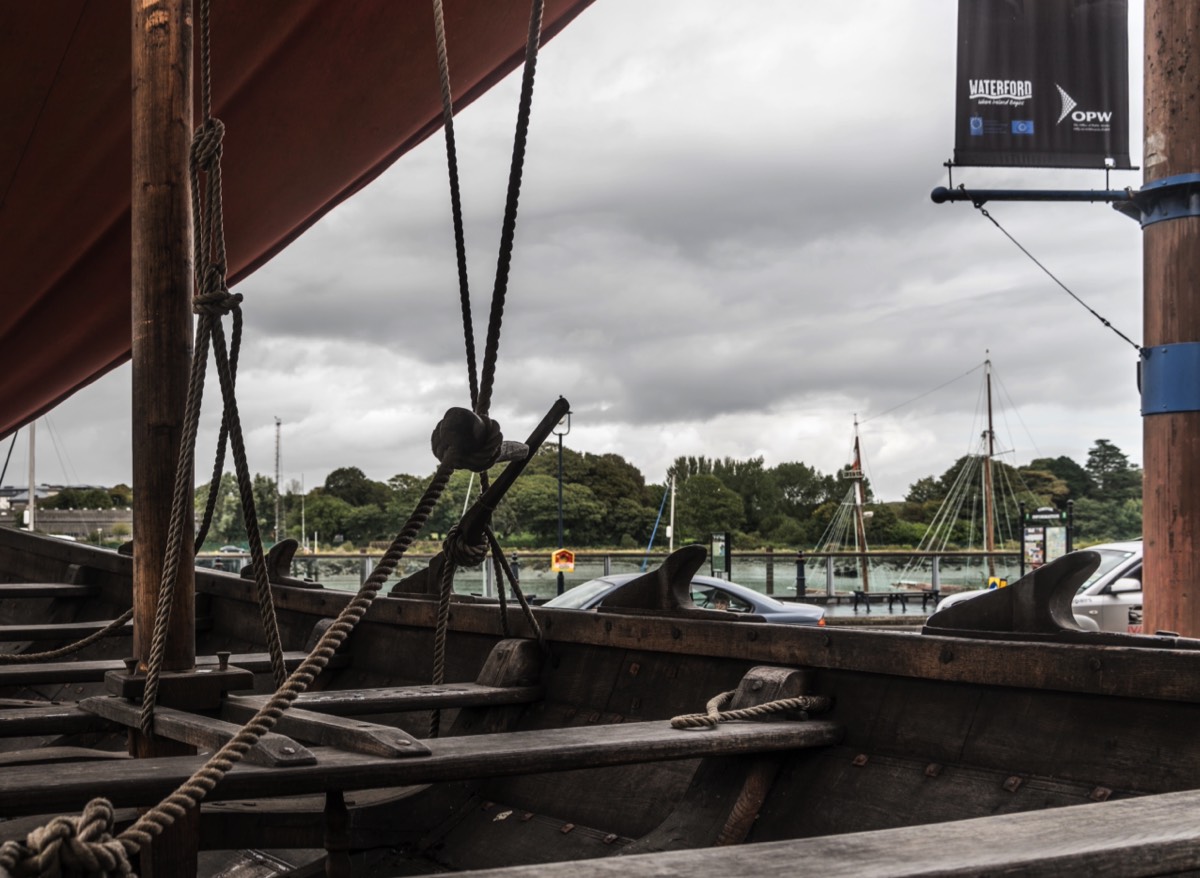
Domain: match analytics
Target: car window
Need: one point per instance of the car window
(718, 599)
(1109, 559)
(581, 595)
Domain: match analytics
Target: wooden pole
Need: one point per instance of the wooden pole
(1171, 266)
(162, 340)
(162, 315)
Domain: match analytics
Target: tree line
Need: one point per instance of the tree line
(607, 503)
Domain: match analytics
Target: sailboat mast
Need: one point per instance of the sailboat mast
(162, 314)
(279, 528)
(989, 524)
(860, 529)
(671, 524)
(161, 290)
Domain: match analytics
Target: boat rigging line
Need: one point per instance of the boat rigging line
(8, 456)
(922, 395)
(983, 210)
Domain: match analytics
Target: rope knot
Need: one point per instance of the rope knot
(460, 553)
(206, 143)
(71, 846)
(464, 440)
(216, 303)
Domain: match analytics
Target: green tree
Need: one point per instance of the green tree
(755, 484)
(1078, 482)
(1104, 465)
(704, 506)
(328, 516)
(121, 495)
(923, 490)
(351, 484)
(531, 507)
(1047, 488)
(78, 498)
(801, 489)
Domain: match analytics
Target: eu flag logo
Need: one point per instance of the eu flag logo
(976, 126)
(1022, 126)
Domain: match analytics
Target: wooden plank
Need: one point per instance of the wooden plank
(46, 590)
(57, 719)
(273, 749)
(359, 702)
(1155, 835)
(69, 631)
(335, 731)
(65, 631)
(94, 671)
(1149, 667)
(51, 755)
(144, 781)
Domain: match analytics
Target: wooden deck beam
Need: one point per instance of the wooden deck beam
(94, 671)
(360, 702)
(29, 790)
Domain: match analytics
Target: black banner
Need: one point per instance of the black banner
(1043, 83)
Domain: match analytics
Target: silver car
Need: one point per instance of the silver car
(707, 592)
(1110, 599)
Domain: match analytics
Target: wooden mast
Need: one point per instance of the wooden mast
(1171, 264)
(860, 499)
(161, 60)
(989, 523)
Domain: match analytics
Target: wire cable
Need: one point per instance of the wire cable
(1050, 274)
(922, 395)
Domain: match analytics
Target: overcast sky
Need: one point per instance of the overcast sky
(725, 247)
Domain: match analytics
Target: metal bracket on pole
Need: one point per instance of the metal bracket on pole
(1165, 199)
(979, 197)
(1170, 378)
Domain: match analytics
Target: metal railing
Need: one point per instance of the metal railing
(816, 576)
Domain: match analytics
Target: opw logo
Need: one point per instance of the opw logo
(1088, 117)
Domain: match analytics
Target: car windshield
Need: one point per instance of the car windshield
(1109, 559)
(580, 595)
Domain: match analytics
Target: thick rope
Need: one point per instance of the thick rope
(81, 846)
(508, 229)
(214, 485)
(192, 792)
(458, 553)
(480, 396)
(460, 243)
(17, 658)
(502, 564)
(714, 714)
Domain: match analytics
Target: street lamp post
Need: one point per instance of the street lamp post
(563, 428)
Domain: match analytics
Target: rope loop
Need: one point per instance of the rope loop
(70, 846)
(206, 143)
(464, 440)
(715, 713)
(460, 553)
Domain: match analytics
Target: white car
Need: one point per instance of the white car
(1110, 599)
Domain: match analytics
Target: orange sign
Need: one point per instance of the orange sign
(562, 561)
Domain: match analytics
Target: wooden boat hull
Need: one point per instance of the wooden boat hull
(922, 729)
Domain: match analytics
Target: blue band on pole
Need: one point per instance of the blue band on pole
(1166, 199)
(1171, 378)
